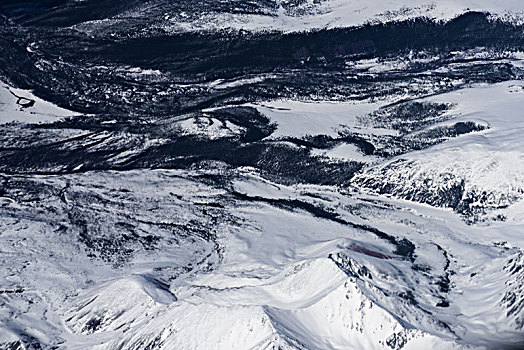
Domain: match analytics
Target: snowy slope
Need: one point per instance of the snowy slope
(287, 277)
(296, 281)
(485, 168)
(308, 15)
(298, 266)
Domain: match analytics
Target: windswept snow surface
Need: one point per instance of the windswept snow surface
(169, 181)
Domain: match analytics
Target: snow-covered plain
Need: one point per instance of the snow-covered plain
(299, 119)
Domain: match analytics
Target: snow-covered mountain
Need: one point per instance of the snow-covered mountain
(299, 15)
(261, 174)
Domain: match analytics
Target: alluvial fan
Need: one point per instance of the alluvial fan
(273, 174)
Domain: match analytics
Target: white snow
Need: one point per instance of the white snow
(209, 127)
(283, 277)
(299, 118)
(347, 152)
(490, 161)
(41, 112)
(350, 13)
(275, 284)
